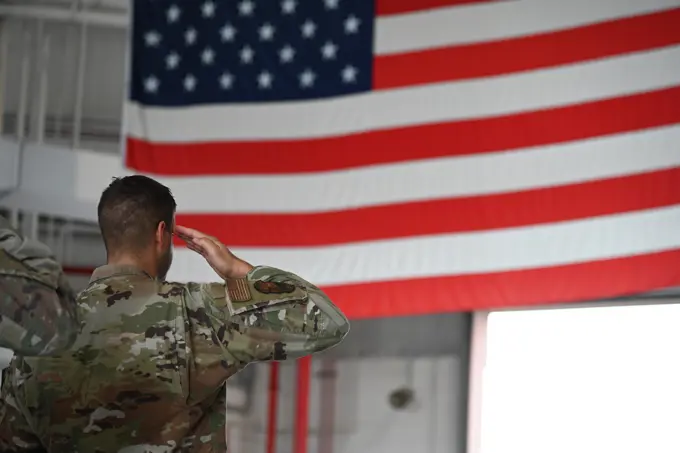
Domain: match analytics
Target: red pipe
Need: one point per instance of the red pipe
(327, 416)
(273, 406)
(302, 405)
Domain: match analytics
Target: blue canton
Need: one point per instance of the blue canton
(192, 52)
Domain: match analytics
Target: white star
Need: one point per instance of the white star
(266, 32)
(288, 6)
(247, 54)
(172, 60)
(190, 36)
(226, 80)
(208, 56)
(286, 54)
(308, 29)
(349, 74)
(352, 24)
(208, 9)
(265, 80)
(307, 78)
(329, 50)
(151, 84)
(228, 32)
(246, 7)
(152, 39)
(189, 83)
(331, 4)
(173, 13)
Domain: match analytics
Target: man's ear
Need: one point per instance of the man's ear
(161, 229)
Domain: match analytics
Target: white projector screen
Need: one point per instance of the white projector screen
(586, 380)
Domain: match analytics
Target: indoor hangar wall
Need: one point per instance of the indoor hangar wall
(402, 380)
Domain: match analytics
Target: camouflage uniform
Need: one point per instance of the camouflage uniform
(37, 306)
(148, 371)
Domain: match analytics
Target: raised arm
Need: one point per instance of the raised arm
(37, 306)
(263, 313)
(271, 315)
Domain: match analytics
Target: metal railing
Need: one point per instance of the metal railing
(23, 30)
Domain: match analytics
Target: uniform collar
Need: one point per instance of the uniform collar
(112, 270)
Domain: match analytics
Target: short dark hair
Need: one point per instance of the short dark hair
(130, 210)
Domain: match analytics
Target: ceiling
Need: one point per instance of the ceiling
(118, 5)
(93, 12)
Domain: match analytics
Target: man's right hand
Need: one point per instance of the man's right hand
(220, 258)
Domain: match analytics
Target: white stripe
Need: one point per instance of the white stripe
(411, 106)
(483, 174)
(490, 251)
(500, 20)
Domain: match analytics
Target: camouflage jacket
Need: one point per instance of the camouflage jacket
(37, 306)
(148, 370)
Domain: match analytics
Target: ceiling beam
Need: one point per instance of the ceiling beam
(102, 19)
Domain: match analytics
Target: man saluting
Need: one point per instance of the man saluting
(147, 372)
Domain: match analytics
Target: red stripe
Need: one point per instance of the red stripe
(532, 52)
(573, 283)
(533, 287)
(390, 7)
(611, 116)
(75, 270)
(453, 215)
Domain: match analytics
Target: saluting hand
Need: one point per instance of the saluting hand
(220, 258)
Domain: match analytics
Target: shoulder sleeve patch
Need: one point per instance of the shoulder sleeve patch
(239, 290)
(245, 295)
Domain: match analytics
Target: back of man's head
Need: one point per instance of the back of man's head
(130, 211)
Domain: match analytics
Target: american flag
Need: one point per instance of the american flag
(419, 156)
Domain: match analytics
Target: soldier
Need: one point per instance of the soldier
(37, 306)
(148, 370)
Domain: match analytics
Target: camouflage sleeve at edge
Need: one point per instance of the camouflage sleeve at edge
(273, 315)
(37, 306)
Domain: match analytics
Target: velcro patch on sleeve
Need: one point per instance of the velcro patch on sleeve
(239, 290)
(249, 295)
